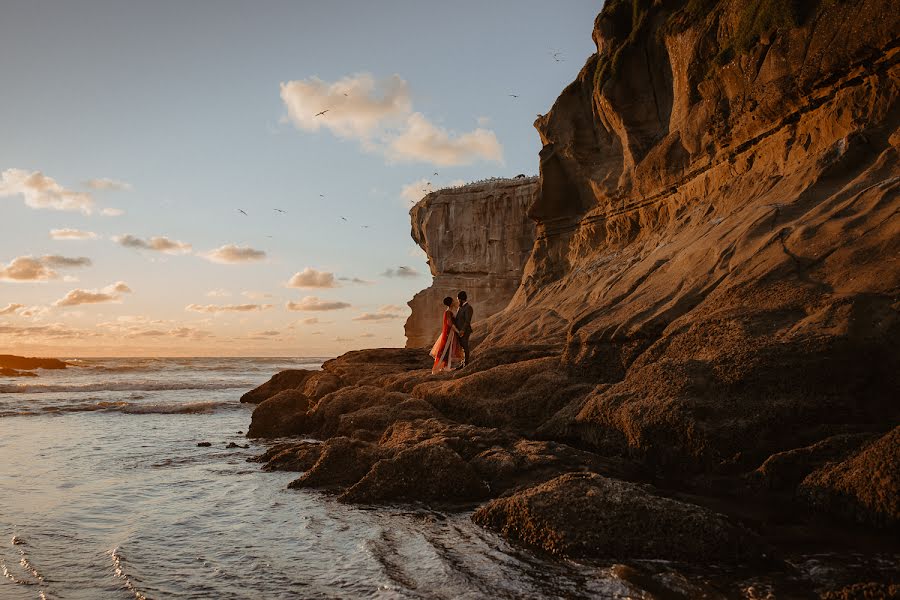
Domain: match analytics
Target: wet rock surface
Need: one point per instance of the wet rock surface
(587, 515)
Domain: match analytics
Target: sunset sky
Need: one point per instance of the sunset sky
(134, 132)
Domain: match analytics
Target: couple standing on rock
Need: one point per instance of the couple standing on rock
(452, 346)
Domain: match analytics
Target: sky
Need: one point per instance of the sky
(133, 134)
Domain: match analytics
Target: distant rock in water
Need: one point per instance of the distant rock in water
(10, 364)
(477, 238)
(204, 444)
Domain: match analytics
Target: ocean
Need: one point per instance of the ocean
(104, 494)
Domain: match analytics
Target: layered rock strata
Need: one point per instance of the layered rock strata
(477, 238)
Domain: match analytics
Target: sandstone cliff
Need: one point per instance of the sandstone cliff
(477, 238)
(711, 304)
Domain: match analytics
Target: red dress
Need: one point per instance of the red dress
(447, 352)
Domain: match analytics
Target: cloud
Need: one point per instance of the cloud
(358, 106)
(385, 313)
(105, 183)
(367, 335)
(376, 317)
(40, 191)
(422, 141)
(256, 295)
(401, 272)
(54, 330)
(156, 243)
(311, 278)
(312, 303)
(112, 212)
(379, 114)
(309, 321)
(10, 309)
(232, 254)
(28, 268)
(111, 293)
(222, 308)
(343, 339)
(72, 234)
(483, 121)
(356, 280)
(218, 293)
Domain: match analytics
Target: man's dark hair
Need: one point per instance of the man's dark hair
(462, 296)
(448, 301)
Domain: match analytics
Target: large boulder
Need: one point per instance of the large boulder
(864, 488)
(290, 456)
(341, 463)
(588, 515)
(284, 380)
(279, 415)
(430, 471)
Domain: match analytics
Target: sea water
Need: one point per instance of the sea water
(104, 493)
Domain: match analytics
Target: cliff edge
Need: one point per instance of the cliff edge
(477, 238)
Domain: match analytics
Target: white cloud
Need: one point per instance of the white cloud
(223, 308)
(105, 183)
(312, 278)
(422, 141)
(29, 268)
(380, 116)
(10, 309)
(401, 272)
(367, 335)
(387, 312)
(218, 293)
(232, 254)
(156, 243)
(358, 106)
(312, 303)
(256, 295)
(111, 293)
(112, 212)
(72, 234)
(40, 191)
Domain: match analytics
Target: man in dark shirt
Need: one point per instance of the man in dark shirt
(464, 323)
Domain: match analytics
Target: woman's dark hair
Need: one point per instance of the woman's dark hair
(448, 301)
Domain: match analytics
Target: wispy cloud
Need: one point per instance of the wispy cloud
(218, 293)
(233, 254)
(29, 268)
(312, 278)
(111, 293)
(225, 308)
(105, 183)
(40, 191)
(373, 112)
(112, 212)
(10, 309)
(312, 303)
(401, 271)
(72, 234)
(156, 243)
(356, 280)
(388, 312)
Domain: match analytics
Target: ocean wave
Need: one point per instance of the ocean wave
(130, 408)
(121, 386)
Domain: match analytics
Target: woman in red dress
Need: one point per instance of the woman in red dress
(447, 352)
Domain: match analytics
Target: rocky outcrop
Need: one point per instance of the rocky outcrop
(477, 238)
(19, 366)
(288, 379)
(864, 488)
(586, 515)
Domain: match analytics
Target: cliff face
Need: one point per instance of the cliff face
(477, 238)
(718, 232)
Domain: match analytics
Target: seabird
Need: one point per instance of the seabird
(343, 218)
(242, 212)
(279, 210)
(514, 95)
(319, 114)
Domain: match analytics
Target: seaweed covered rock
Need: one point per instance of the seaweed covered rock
(864, 488)
(289, 379)
(279, 415)
(587, 515)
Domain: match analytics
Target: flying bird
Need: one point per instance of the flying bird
(319, 114)
(435, 173)
(343, 218)
(514, 95)
(364, 226)
(279, 210)
(242, 212)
